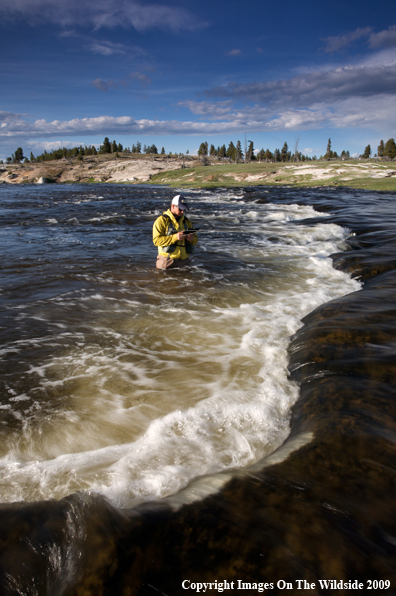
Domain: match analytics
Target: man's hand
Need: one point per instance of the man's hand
(182, 235)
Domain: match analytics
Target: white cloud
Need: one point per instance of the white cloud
(368, 112)
(101, 14)
(337, 42)
(213, 110)
(382, 39)
(109, 125)
(386, 38)
(321, 86)
(40, 146)
(105, 47)
(235, 52)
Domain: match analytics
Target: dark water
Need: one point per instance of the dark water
(321, 507)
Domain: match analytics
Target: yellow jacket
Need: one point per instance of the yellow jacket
(165, 230)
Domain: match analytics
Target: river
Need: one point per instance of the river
(228, 422)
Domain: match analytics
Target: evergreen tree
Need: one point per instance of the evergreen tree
(390, 149)
(277, 155)
(106, 147)
(32, 158)
(381, 149)
(203, 149)
(138, 147)
(18, 155)
(222, 151)
(163, 151)
(285, 153)
(250, 152)
(329, 153)
(231, 151)
(94, 152)
(120, 147)
(238, 152)
(212, 151)
(261, 155)
(367, 152)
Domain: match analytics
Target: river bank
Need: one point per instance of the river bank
(189, 172)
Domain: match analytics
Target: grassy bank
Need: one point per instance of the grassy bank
(354, 174)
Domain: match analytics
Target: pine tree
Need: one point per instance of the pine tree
(367, 152)
(381, 149)
(285, 152)
(390, 149)
(238, 152)
(250, 152)
(268, 155)
(203, 149)
(329, 153)
(106, 147)
(18, 155)
(231, 151)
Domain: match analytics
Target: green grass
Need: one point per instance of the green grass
(231, 175)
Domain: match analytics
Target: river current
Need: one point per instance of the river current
(160, 427)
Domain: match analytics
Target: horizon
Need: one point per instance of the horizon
(177, 74)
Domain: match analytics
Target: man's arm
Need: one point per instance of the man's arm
(160, 237)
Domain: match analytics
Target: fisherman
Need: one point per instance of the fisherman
(174, 244)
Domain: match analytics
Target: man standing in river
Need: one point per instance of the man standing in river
(170, 234)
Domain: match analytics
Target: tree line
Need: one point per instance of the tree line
(107, 147)
(234, 153)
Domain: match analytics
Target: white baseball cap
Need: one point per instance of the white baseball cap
(180, 202)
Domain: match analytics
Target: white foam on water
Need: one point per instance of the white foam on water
(189, 380)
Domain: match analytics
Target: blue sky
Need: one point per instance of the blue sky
(180, 72)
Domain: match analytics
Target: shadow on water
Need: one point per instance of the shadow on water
(324, 512)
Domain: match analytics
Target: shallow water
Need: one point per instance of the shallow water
(128, 383)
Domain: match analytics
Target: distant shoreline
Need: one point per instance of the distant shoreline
(189, 172)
